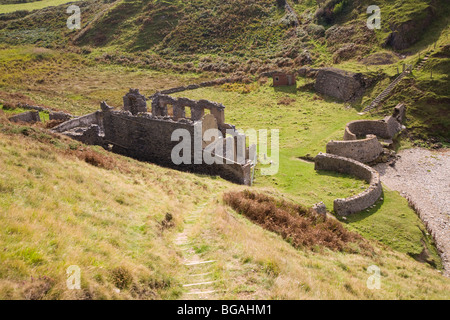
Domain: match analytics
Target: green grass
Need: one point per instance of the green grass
(383, 222)
(57, 210)
(9, 112)
(35, 5)
(305, 127)
(104, 217)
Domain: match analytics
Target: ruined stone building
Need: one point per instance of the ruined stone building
(340, 84)
(283, 79)
(361, 145)
(148, 136)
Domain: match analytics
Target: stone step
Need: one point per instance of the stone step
(198, 262)
(200, 274)
(198, 283)
(385, 92)
(201, 292)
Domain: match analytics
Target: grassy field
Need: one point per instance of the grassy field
(57, 210)
(62, 203)
(65, 204)
(35, 5)
(306, 125)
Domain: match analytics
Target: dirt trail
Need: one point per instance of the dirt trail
(200, 283)
(423, 177)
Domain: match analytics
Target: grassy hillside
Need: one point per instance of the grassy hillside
(62, 203)
(65, 204)
(71, 83)
(306, 124)
(248, 37)
(29, 5)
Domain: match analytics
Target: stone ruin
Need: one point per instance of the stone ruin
(340, 84)
(29, 116)
(147, 136)
(33, 115)
(134, 102)
(360, 146)
(362, 137)
(361, 201)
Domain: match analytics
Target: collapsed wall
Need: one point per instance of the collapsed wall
(362, 150)
(29, 116)
(361, 137)
(361, 201)
(340, 84)
(149, 136)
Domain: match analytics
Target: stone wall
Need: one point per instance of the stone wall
(53, 115)
(29, 116)
(88, 135)
(142, 137)
(392, 126)
(83, 121)
(134, 102)
(340, 84)
(360, 201)
(147, 136)
(362, 150)
(399, 112)
(361, 128)
(59, 116)
(161, 103)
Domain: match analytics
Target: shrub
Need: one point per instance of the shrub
(96, 159)
(286, 101)
(302, 227)
(121, 277)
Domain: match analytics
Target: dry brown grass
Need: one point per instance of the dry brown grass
(60, 207)
(286, 101)
(300, 226)
(95, 158)
(13, 99)
(70, 148)
(52, 123)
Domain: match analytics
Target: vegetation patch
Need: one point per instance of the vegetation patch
(301, 227)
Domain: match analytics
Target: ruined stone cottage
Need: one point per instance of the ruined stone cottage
(149, 136)
(283, 79)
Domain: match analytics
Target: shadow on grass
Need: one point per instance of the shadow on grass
(335, 174)
(286, 89)
(365, 213)
(359, 215)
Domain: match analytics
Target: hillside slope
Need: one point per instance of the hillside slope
(63, 204)
(251, 37)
